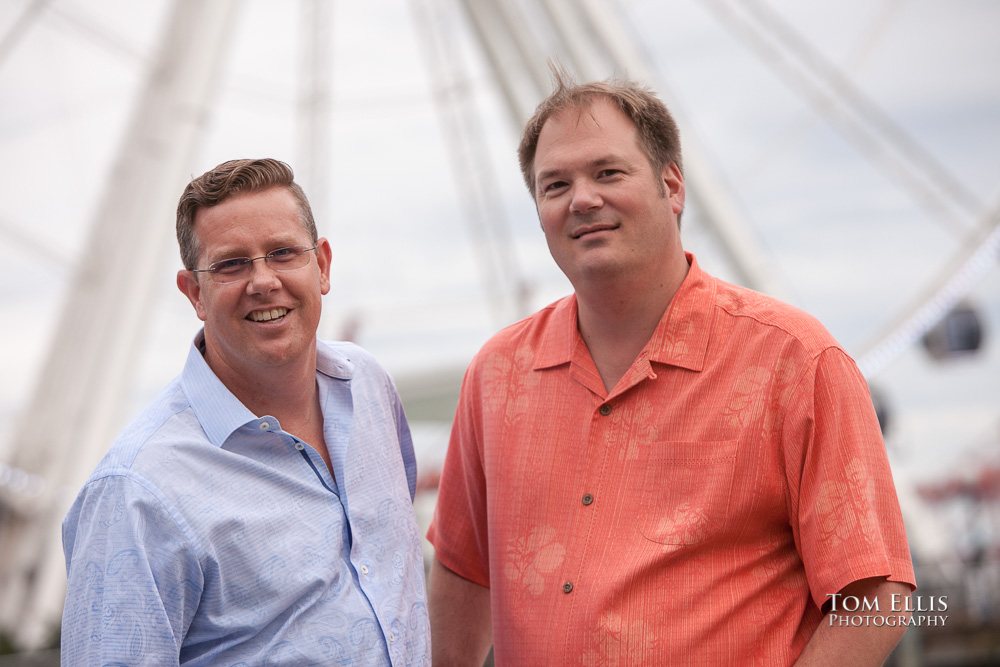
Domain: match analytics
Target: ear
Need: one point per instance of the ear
(187, 283)
(324, 256)
(673, 182)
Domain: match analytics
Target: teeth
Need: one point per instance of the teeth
(266, 315)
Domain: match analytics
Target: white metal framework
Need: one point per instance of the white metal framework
(65, 428)
(66, 425)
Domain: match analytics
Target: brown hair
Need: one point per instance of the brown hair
(228, 179)
(659, 137)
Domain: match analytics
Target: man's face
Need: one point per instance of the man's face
(240, 345)
(603, 209)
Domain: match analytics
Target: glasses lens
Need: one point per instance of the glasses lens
(229, 270)
(286, 259)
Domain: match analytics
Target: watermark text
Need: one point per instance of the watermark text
(903, 611)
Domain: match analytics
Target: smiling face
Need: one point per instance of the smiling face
(604, 210)
(266, 322)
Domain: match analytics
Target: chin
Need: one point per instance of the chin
(599, 269)
(277, 355)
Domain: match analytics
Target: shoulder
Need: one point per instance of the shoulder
(161, 452)
(767, 316)
(167, 420)
(138, 481)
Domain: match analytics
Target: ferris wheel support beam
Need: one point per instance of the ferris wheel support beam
(891, 148)
(477, 185)
(851, 111)
(314, 104)
(516, 60)
(70, 420)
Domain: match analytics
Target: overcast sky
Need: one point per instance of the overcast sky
(849, 244)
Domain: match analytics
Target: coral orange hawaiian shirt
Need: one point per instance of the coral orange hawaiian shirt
(699, 513)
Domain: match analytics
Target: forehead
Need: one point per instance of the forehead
(586, 131)
(251, 220)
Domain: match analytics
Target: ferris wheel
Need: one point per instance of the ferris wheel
(110, 282)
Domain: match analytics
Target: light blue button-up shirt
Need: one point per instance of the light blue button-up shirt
(209, 536)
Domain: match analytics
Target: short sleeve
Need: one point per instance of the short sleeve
(459, 529)
(843, 507)
(133, 583)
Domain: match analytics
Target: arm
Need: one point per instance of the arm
(132, 587)
(844, 513)
(865, 644)
(461, 621)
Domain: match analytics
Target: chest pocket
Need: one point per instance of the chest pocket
(687, 490)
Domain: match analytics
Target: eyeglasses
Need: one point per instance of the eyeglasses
(237, 268)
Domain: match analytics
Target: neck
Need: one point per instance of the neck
(294, 401)
(618, 316)
(287, 391)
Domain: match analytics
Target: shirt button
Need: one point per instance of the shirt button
(364, 569)
(264, 426)
(605, 410)
(587, 499)
(568, 587)
(392, 637)
(299, 446)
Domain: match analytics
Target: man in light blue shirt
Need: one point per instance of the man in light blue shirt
(259, 511)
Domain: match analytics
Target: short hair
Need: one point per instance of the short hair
(659, 137)
(226, 180)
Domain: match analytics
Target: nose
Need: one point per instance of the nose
(584, 197)
(263, 278)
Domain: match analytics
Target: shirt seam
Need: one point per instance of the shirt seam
(813, 351)
(140, 435)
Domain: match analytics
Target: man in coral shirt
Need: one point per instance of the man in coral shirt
(661, 468)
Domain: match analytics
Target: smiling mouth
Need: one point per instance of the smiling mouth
(267, 315)
(590, 230)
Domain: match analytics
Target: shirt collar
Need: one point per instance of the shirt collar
(680, 339)
(217, 409)
(332, 362)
